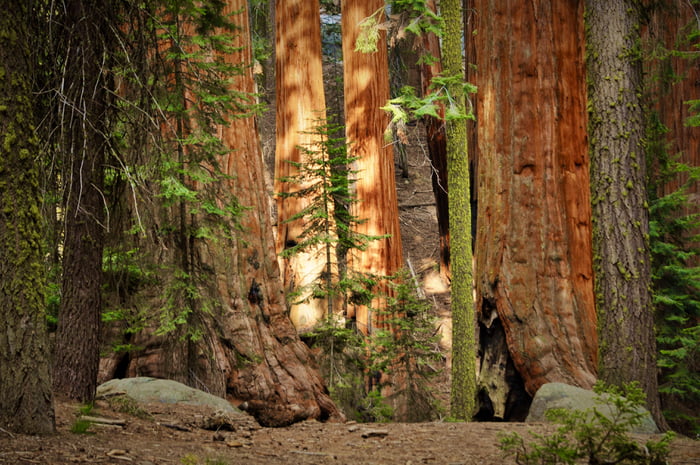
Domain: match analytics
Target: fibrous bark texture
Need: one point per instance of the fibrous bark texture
(618, 189)
(301, 108)
(26, 401)
(533, 244)
(366, 85)
(246, 348)
(437, 149)
(83, 147)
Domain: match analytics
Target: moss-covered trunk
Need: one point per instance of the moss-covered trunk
(26, 401)
(463, 390)
(627, 347)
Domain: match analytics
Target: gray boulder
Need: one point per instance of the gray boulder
(564, 396)
(148, 390)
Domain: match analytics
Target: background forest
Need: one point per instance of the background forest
(206, 191)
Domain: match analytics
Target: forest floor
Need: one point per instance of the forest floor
(160, 434)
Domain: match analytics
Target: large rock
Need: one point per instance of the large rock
(564, 396)
(147, 390)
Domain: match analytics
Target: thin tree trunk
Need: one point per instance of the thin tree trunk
(366, 84)
(26, 401)
(84, 145)
(618, 190)
(435, 135)
(463, 389)
(533, 245)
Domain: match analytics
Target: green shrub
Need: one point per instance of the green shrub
(592, 436)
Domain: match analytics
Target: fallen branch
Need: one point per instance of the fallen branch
(103, 421)
(174, 426)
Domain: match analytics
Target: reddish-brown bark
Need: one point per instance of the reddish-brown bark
(366, 91)
(533, 244)
(674, 81)
(301, 108)
(248, 349)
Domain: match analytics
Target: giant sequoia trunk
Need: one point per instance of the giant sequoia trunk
(239, 342)
(26, 401)
(83, 148)
(534, 282)
(301, 108)
(618, 189)
(366, 84)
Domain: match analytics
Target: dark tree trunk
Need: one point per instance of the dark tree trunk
(618, 190)
(83, 145)
(437, 150)
(533, 244)
(26, 401)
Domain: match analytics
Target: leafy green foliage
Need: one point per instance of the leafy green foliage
(408, 105)
(673, 236)
(409, 350)
(676, 281)
(407, 17)
(168, 191)
(415, 17)
(368, 38)
(324, 180)
(592, 435)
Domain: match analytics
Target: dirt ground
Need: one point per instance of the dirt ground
(167, 434)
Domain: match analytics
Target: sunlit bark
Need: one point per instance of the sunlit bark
(239, 342)
(366, 91)
(301, 107)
